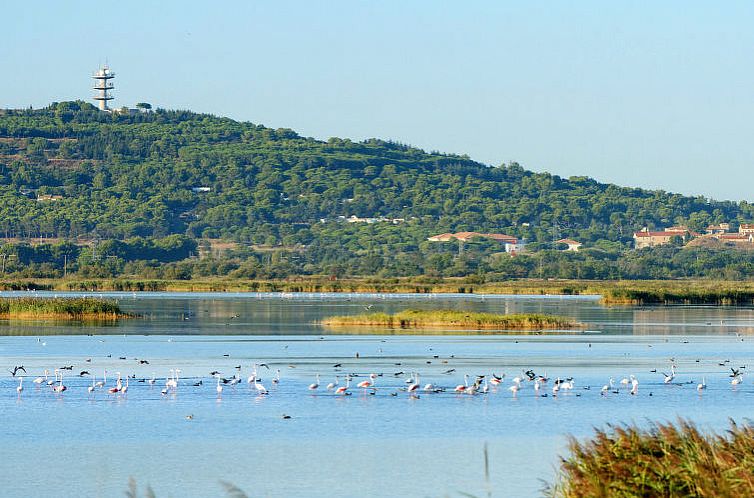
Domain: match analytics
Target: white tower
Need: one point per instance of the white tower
(103, 86)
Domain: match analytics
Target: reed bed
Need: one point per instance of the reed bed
(425, 319)
(664, 460)
(60, 308)
(689, 295)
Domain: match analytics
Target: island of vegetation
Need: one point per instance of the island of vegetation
(669, 460)
(431, 319)
(65, 308)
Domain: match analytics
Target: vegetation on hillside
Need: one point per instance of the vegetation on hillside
(140, 195)
(664, 460)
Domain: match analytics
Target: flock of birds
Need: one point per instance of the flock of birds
(472, 385)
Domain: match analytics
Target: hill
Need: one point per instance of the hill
(124, 183)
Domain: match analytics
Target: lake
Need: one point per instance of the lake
(382, 442)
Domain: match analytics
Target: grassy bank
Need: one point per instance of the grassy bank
(671, 295)
(664, 460)
(60, 308)
(423, 319)
(613, 292)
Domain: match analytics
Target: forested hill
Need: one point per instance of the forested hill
(70, 171)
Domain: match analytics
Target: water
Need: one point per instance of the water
(76, 444)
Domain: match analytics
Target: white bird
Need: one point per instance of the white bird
(39, 380)
(737, 380)
(702, 386)
(20, 385)
(669, 378)
(101, 383)
(314, 385)
(124, 389)
(462, 387)
(91, 388)
(219, 388)
(152, 380)
(332, 385)
(260, 387)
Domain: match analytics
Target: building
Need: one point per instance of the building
(645, 238)
(746, 228)
(719, 228)
(510, 243)
(572, 244)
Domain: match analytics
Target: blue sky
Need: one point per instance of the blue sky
(650, 94)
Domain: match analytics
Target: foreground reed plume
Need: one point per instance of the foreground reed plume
(664, 460)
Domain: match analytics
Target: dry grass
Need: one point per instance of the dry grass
(422, 319)
(665, 460)
(64, 307)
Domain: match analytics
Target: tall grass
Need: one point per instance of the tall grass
(64, 307)
(664, 460)
(413, 319)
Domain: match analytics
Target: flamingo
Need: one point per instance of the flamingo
(60, 387)
(219, 388)
(737, 380)
(332, 385)
(39, 380)
(102, 383)
(669, 378)
(20, 385)
(702, 386)
(119, 383)
(495, 380)
(413, 387)
(514, 388)
(315, 385)
(51, 382)
(556, 387)
(276, 379)
(462, 387)
(152, 380)
(367, 383)
(124, 389)
(607, 387)
(91, 388)
(634, 385)
(253, 377)
(344, 389)
(486, 387)
(260, 387)
(537, 385)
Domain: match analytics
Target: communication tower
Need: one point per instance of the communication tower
(103, 86)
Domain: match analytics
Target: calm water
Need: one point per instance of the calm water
(77, 444)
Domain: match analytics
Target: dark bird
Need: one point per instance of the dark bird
(226, 355)
(450, 371)
(214, 372)
(121, 357)
(265, 365)
(143, 362)
(736, 372)
(16, 369)
(530, 374)
(286, 417)
(238, 367)
(70, 367)
(83, 372)
(196, 384)
(337, 365)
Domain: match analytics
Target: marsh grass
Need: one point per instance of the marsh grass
(664, 460)
(60, 308)
(424, 319)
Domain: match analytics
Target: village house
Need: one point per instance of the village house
(720, 228)
(509, 242)
(746, 228)
(645, 238)
(572, 244)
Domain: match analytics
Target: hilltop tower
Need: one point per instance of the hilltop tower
(103, 86)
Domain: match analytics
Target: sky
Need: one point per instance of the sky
(641, 93)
